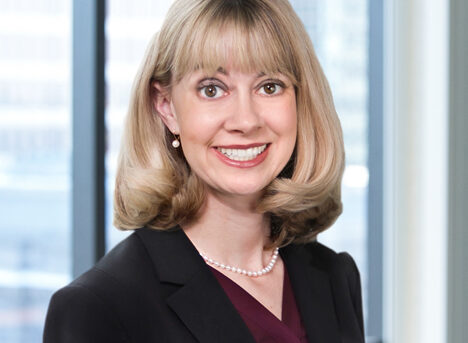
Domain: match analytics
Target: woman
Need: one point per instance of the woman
(230, 166)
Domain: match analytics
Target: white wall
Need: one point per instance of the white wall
(415, 170)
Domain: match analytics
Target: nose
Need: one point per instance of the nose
(244, 114)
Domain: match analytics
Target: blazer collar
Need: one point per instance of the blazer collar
(202, 305)
(313, 293)
(200, 302)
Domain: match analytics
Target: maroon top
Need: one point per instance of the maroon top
(264, 325)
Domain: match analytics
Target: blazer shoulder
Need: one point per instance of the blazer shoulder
(329, 261)
(77, 314)
(340, 267)
(122, 271)
(127, 266)
(344, 275)
(101, 300)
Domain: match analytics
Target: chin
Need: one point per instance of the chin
(246, 190)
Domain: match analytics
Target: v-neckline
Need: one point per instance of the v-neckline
(287, 329)
(246, 297)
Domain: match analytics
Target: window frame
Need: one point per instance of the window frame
(88, 112)
(374, 329)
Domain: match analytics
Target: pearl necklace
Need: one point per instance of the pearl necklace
(250, 273)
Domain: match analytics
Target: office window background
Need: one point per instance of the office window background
(35, 135)
(35, 147)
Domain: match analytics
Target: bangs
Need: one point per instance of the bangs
(244, 40)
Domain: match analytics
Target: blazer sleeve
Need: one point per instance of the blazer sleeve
(77, 315)
(354, 283)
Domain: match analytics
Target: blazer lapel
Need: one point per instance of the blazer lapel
(200, 302)
(313, 293)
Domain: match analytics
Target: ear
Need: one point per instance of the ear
(163, 105)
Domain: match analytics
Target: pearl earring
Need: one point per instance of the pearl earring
(175, 142)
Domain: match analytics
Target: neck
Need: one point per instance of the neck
(229, 230)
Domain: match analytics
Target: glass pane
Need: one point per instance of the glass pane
(34, 162)
(129, 28)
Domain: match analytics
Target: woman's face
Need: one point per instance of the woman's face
(237, 130)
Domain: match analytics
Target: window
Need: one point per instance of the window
(35, 153)
(129, 28)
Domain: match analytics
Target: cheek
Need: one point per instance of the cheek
(198, 127)
(284, 121)
(193, 120)
(199, 122)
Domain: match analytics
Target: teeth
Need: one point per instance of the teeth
(242, 154)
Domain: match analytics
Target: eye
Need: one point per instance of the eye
(270, 88)
(211, 91)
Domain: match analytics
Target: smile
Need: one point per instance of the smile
(242, 154)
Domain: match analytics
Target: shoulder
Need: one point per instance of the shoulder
(340, 267)
(77, 314)
(97, 301)
(329, 261)
(344, 279)
(123, 268)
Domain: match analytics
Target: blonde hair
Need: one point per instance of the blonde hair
(154, 185)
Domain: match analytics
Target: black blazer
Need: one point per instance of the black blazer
(155, 287)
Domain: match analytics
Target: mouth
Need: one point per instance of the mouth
(241, 155)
